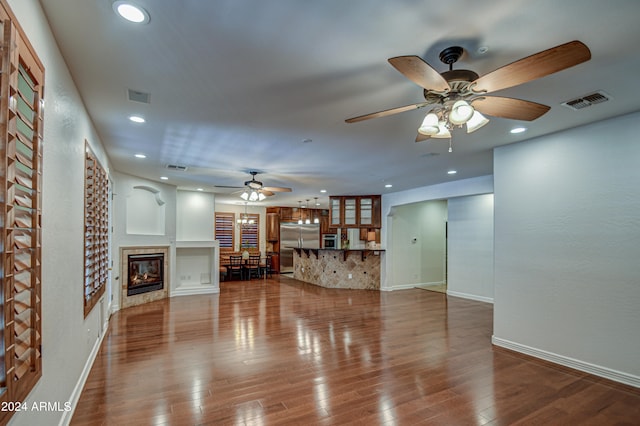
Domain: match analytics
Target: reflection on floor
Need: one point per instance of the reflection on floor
(283, 352)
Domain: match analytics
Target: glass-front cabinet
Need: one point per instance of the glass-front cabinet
(350, 214)
(336, 216)
(366, 211)
(355, 211)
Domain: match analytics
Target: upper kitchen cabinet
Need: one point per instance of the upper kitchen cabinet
(335, 212)
(273, 227)
(286, 214)
(355, 211)
(324, 222)
(349, 208)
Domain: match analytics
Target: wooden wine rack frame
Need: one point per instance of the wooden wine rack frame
(96, 230)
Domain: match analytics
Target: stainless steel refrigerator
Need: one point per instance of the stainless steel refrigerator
(295, 235)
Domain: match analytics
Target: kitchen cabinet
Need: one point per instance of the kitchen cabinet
(324, 223)
(335, 208)
(366, 211)
(364, 234)
(275, 262)
(273, 227)
(355, 211)
(350, 214)
(286, 214)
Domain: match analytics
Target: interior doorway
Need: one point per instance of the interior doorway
(419, 245)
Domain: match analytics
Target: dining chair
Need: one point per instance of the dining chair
(236, 267)
(252, 267)
(265, 266)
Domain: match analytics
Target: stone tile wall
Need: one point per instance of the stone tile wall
(329, 268)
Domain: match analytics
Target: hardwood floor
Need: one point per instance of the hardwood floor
(284, 352)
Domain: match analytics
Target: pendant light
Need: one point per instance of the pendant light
(316, 219)
(307, 221)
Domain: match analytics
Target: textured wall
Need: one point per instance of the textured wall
(567, 276)
(330, 269)
(470, 245)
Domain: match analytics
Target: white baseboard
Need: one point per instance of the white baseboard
(431, 283)
(470, 296)
(191, 291)
(399, 287)
(596, 370)
(77, 390)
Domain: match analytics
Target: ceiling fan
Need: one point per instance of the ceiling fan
(254, 190)
(459, 97)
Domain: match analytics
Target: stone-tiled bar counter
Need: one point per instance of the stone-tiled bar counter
(331, 268)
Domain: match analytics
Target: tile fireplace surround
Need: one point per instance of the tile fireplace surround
(139, 299)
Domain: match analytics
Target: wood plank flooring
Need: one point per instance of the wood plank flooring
(284, 352)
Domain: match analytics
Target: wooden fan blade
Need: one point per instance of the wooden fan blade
(421, 73)
(275, 189)
(535, 66)
(515, 109)
(227, 186)
(421, 138)
(386, 112)
(267, 193)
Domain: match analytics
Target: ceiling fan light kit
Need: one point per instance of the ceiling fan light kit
(255, 191)
(460, 97)
(430, 125)
(254, 195)
(476, 121)
(461, 112)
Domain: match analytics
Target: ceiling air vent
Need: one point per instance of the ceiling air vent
(587, 100)
(137, 96)
(176, 167)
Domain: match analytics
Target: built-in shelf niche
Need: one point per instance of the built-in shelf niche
(197, 266)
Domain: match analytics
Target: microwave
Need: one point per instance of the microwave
(330, 241)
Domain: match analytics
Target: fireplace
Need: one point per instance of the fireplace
(146, 273)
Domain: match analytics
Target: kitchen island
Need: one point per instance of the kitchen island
(338, 268)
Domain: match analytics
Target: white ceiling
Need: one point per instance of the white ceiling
(239, 85)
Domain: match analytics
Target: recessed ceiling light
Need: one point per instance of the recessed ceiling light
(141, 156)
(388, 185)
(199, 189)
(518, 130)
(137, 119)
(452, 172)
(164, 178)
(323, 190)
(131, 12)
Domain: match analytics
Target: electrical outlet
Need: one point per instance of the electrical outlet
(350, 276)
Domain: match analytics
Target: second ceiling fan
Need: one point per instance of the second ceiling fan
(459, 97)
(256, 191)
